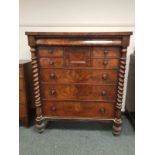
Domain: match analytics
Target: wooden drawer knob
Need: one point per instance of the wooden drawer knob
(53, 108)
(53, 92)
(104, 77)
(52, 76)
(50, 51)
(51, 62)
(103, 93)
(105, 62)
(102, 110)
(106, 52)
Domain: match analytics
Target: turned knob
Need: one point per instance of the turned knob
(51, 62)
(104, 77)
(102, 110)
(52, 76)
(50, 51)
(53, 108)
(103, 93)
(53, 92)
(105, 62)
(106, 52)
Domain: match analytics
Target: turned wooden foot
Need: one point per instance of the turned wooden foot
(39, 125)
(117, 127)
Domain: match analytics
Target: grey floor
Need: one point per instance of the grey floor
(77, 138)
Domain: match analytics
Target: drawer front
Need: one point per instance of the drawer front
(78, 109)
(77, 57)
(79, 92)
(105, 63)
(50, 51)
(51, 62)
(66, 76)
(109, 52)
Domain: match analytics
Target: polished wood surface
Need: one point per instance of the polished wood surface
(25, 92)
(79, 92)
(78, 109)
(50, 51)
(78, 75)
(67, 76)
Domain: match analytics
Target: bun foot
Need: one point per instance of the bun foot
(117, 127)
(40, 125)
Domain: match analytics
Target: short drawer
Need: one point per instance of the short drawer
(105, 63)
(67, 76)
(51, 62)
(50, 51)
(79, 92)
(77, 56)
(78, 109)
(109, 52)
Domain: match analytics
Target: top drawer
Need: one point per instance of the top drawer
(108, 52)
(50, 51)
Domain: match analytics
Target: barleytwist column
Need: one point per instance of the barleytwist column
(117, 126)
(35, 73)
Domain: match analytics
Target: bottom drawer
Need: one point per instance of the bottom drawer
(78, 109)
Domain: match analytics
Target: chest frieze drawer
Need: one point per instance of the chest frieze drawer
(78, 109)
(79, 92)
(64, 76)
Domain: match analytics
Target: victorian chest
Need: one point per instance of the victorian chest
(78, 76)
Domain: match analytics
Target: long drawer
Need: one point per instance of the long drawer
(79, 92)
(64, 76)
(78, 109)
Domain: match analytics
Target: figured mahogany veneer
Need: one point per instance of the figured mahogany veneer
(67, 76)
(76, 109)
(79, 92)
(78, 76)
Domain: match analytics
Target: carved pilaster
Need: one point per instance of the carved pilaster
(35, 73)
(118, 121)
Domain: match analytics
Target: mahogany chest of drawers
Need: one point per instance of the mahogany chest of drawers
(78, 76)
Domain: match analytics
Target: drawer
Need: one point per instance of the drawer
(79, 92)
(50, 51)
(109, 52)
(51, 62)
(78, 109)
(66, 76)
(77, 57)
(105, 63)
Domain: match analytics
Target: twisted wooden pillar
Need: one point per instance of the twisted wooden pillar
(35, 73)
(117, 125)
